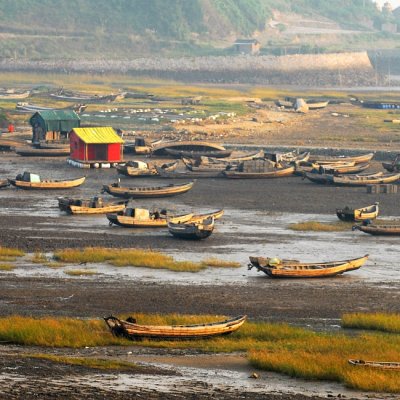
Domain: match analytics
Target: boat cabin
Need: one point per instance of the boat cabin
(53, 125)
(95, 144)
(28, 177)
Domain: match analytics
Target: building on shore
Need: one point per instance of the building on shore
(247, 46)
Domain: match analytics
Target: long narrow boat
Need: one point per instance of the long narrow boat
(328, 160)
(198, 153)
(147, 192)
(131, 330)
(192, 230)
(379, 230)
(143, 218)
(189, 145)
(274, 173)
(289, 157)
(363, 179)
(21, 183)
(4, 183)
(375, 364)
(276, 268)
(317, 105)
(42, 152)
(357, 180)
(137, 169)
(96, 205)
(188, 174)
(229, 160)
(358, 214)
(333, 169)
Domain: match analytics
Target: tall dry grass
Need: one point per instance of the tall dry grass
(384, 322)
(315, 226)
(7, 253)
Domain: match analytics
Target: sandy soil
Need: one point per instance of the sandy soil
(31, 221)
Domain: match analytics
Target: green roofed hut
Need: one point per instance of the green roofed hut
(53, 125)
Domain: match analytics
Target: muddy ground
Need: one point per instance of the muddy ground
(31, 221)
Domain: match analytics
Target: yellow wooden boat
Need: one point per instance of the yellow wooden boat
(131, 330)
(363, 158)
(33, 181)
(268, 174)
(358, 214)
(277, 268)
(96, 205)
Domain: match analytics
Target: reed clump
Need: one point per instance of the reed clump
(384, 322)
(315, 226)
(10, 254)
(217, 263)
(80, 272)
(39, 258)
(126, 257)
(6, 267)
(95, 363)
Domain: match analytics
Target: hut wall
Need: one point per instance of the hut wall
(114, 152)
(77, 147)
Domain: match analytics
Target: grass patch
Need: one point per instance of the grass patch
(337, 226)
(126, 257)
(39, 258)
(6, 267)
(95, 363)
(80, 272)
(216, 263)
(293, 351)
(10, 252)
(8, 258)
(375, 321)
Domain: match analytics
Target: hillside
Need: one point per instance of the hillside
(131, 28)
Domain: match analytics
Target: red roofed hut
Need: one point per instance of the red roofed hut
(95, 145)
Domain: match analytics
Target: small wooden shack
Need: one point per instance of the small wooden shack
(247, 46)
(53, 125)
(95, 145)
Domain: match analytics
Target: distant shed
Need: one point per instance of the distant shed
(95, 144)
(53, 125)
(247, 46)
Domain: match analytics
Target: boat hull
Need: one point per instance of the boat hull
(47, 185)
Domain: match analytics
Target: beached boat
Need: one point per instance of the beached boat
(143, 218)
(137, 169)
(11, 94)
(43, 152)
(358, 180)
(363, 158)
(316, 105)
(376, 104)
(4, 183)
(378, 230)
(393, 166)
(188, 174)
(288, 157)
(146, 191)
(96, 205)
(195, 146)
(33, 181)
(277, 268)
(176, 153)
(358, 214)
(192, 230)
(131, 330)
(375, 364)
(333, 169)
(229, 160)
(266, 174)
(350, 180)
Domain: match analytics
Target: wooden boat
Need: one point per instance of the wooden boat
(14, 94)
(378, 230)
(197, 146)
(33, 181)
(137, 169)
(273, 173)
(358, 214)
(198, 153)
(4, 183)
(329, 160)
(333, 169)
(146, 192)
(200, 217)
(289, 157)
(358, 180)
(143, 218)
(316, 105)
(43, 152)
(376, 104)
(96, 205)
(277, 268)
(188, 174)
(229, 160)
(375, 364)
(131, 330)
(393, 166)
(192, 230)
